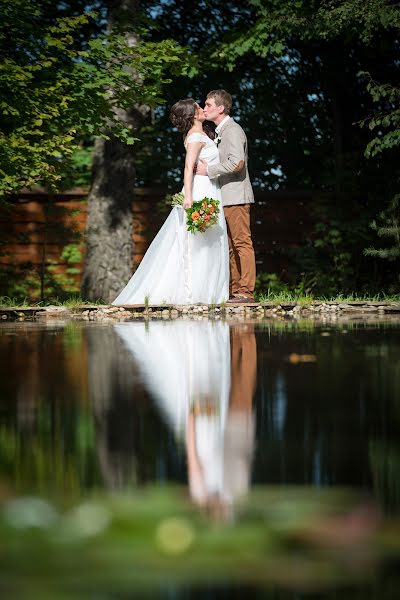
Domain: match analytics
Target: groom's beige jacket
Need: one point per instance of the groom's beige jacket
(231, 171)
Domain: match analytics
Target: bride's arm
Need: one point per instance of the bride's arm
(192, 153)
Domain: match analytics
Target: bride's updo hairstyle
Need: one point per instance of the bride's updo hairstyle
(182, 114)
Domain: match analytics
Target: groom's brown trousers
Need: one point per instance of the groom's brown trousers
(242, 261)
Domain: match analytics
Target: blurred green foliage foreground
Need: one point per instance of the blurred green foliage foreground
(291, 537)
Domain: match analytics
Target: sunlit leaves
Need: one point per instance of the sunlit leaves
(277, 22)
(53, 92)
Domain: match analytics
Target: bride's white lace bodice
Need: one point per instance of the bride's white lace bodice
(203, 187)
(209, 152)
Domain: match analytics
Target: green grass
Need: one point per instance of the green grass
(7, 301)
(276, 297)
(379, 297)
(71, 302)
(304, 299)
(286, 296)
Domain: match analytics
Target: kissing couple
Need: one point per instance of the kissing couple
(217, 265)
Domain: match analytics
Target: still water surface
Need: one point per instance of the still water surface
(215, 406)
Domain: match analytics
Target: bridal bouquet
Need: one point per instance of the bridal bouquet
(201, 215)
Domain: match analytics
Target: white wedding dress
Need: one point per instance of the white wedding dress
(180, 362)
(181, 267)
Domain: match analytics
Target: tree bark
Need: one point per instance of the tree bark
(109, 230)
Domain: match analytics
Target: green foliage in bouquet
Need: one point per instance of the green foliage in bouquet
(177, 199)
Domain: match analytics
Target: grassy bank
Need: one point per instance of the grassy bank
(281, 297)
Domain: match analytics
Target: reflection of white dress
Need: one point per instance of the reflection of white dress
(181, 267)
(182, 363)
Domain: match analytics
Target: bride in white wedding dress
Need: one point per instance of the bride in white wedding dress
(182, 267)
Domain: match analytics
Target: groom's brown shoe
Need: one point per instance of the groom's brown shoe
(240, 300)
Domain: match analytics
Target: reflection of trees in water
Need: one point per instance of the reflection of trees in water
(41, 366)
(331, 422)
(45, 424)
(133, 445)
(47, 437)
(316, 421)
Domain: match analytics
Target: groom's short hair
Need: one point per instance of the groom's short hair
(222, 97)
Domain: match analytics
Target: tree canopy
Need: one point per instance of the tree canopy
(59, 84)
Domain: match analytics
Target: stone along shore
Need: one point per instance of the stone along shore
(289, 310)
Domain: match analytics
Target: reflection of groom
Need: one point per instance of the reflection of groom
(237, 193)
(221, 475)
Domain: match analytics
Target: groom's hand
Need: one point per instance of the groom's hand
(239, 166)
(200, 168)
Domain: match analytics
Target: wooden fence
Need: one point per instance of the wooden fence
(44, 233)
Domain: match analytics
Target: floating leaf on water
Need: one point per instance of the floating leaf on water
(301, 358)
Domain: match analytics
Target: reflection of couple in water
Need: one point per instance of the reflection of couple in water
(202, 376)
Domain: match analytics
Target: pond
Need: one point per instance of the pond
(216, 427)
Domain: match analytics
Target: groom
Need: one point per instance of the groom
(237, 193)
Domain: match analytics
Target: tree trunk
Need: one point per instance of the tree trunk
(113, 394)
(109, 235)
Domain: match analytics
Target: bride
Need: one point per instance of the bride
(182, 267)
